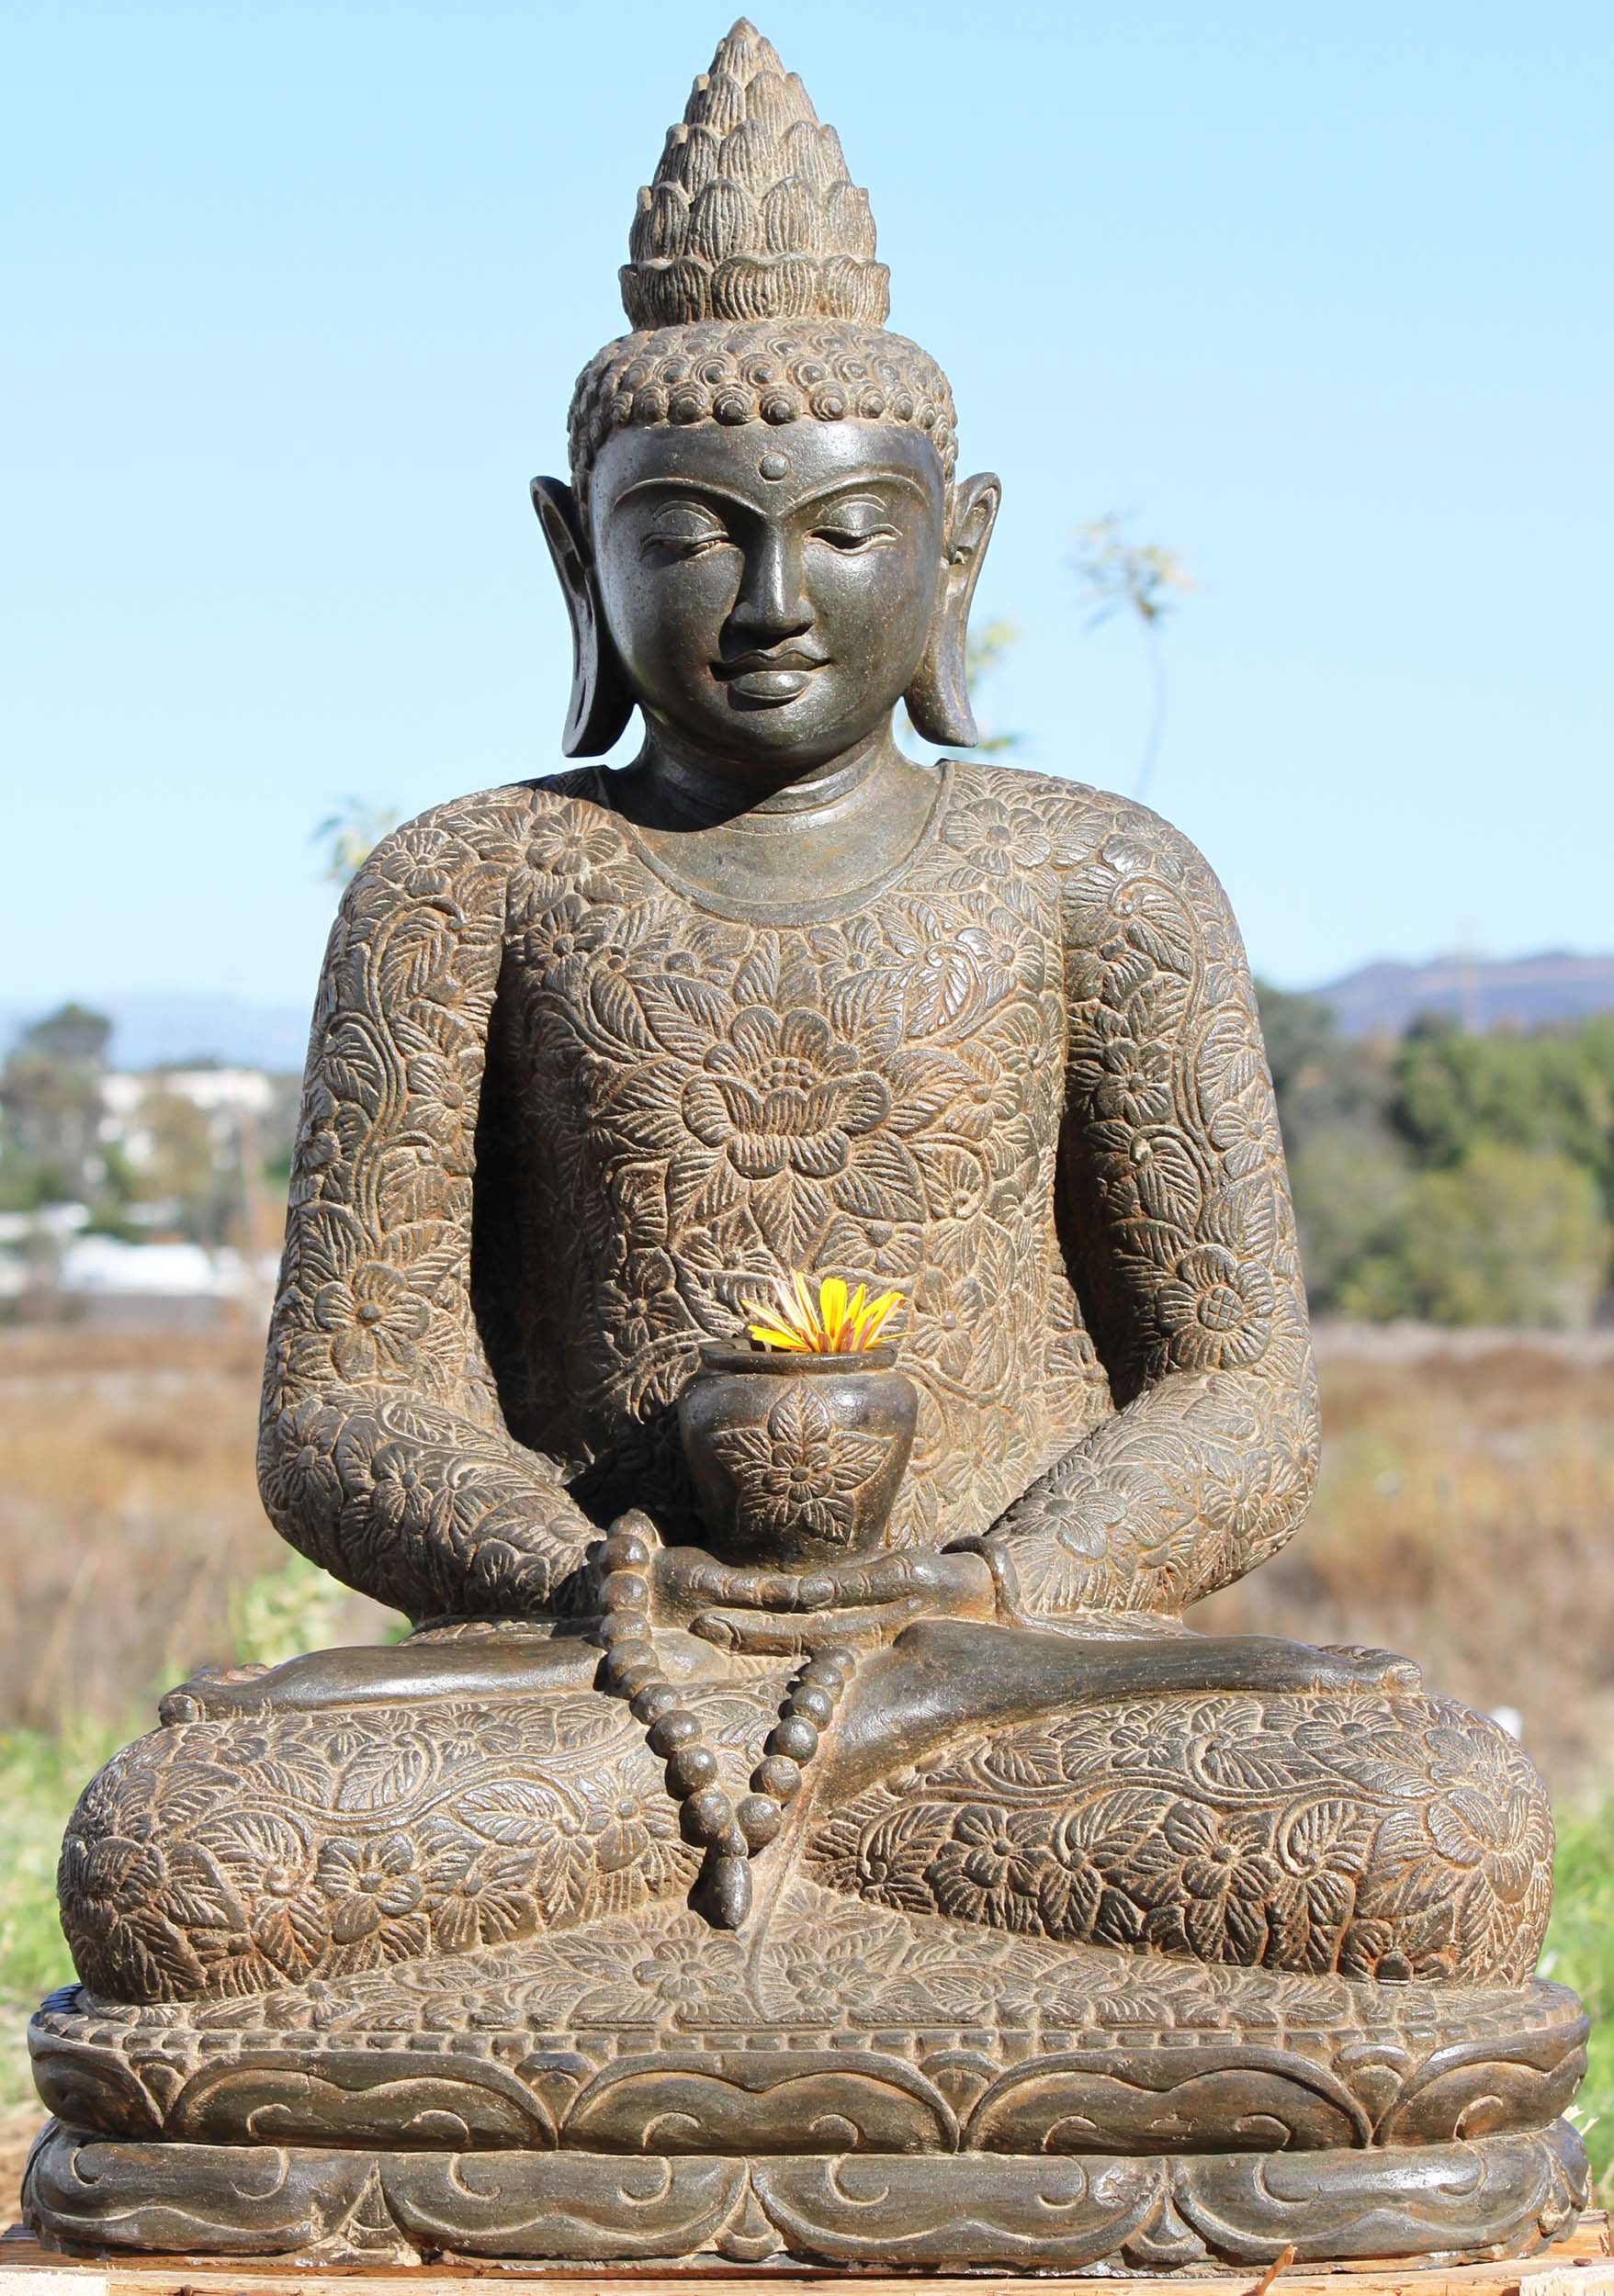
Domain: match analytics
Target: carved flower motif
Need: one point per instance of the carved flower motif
(444, 1085)
(1131, 899)
(1321, 1848)
(374, 1892)
(571, 843)
(1089, 1847)
(480, 1894)
(567, 931)
(1216, 1310)
(297, 1465)
(318, 1149)
(960, 1316)
(889, 1250)
(780, 1094)
(408, 1487)
(652, 1308)
(800, 1471)
(1245, 1130)
(636, 1842)
(1003, 836)
(995, 1869)
(1487, 1815)
(1155, 1169)
(952, 958)
(685, 1969)
(884, 1858)
(1123, 1075)
(1206, 1877)
(375, 1321)
(114, 1896)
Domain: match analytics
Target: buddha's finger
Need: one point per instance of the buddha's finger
(765, 1634)
(890, 1580)
(214, 1693)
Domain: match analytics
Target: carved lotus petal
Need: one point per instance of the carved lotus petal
(691, 158)
(782, 287)
(722, 221)
(792, 220)
(777, 101)
(716, 101)
(851, 227)
(662, 224)
(752, 157)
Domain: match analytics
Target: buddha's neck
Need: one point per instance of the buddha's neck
(768, 843)
(683, 788)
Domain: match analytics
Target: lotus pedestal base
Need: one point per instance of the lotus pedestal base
(851, 2086)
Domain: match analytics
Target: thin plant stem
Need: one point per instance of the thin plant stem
(1159, 702)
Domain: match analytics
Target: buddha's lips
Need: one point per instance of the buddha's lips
(768, 678)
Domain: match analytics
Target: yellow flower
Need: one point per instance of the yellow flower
(838, 1323)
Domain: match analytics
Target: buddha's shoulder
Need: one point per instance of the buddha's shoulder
(1079, 828)
(489, 829)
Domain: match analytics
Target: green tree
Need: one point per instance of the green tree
(1351, 1184)
(182, 1168)
(1550, 1091)
(1321, 1080)
(50, 1099)
(1507, 1236)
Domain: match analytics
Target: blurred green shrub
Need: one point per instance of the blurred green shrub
(1456, 1177)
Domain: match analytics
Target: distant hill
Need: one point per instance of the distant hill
(156, 1031)
(1480, 992)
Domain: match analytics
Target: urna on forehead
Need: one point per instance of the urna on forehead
(752, 286)
(776, 470)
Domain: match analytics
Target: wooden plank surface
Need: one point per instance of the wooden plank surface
(1580, 2266)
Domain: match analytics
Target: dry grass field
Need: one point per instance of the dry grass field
(128, 1515)
(1465, 1517)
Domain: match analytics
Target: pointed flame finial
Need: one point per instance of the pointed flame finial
(752, 214)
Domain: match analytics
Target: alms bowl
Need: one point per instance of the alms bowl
(796, 1458)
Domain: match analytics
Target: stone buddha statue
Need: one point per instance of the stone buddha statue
(945, 1898)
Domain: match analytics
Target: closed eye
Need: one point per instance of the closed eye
(670, 546)
(682, 532)
(850, 540)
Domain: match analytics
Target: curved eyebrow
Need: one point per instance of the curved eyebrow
(859, 482)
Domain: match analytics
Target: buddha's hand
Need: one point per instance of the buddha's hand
(862, 1604)
(752, 1608)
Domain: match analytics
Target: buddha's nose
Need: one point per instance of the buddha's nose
(771, 605)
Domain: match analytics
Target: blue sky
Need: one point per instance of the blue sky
(1319, 297)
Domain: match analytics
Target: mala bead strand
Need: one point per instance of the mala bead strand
(729, 1836)
(794, 1740)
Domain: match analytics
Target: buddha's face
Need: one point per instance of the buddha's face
(770, 592)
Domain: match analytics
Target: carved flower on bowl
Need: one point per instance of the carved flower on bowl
(796, 1456)
(798, 1471)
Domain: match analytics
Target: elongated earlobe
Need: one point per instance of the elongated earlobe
(938, 699)
(600, 702)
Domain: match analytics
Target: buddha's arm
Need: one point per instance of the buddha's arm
(1178, 1231)
(383, 1453)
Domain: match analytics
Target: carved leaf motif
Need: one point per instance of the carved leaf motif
(375, 1776)
(512, 1811)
